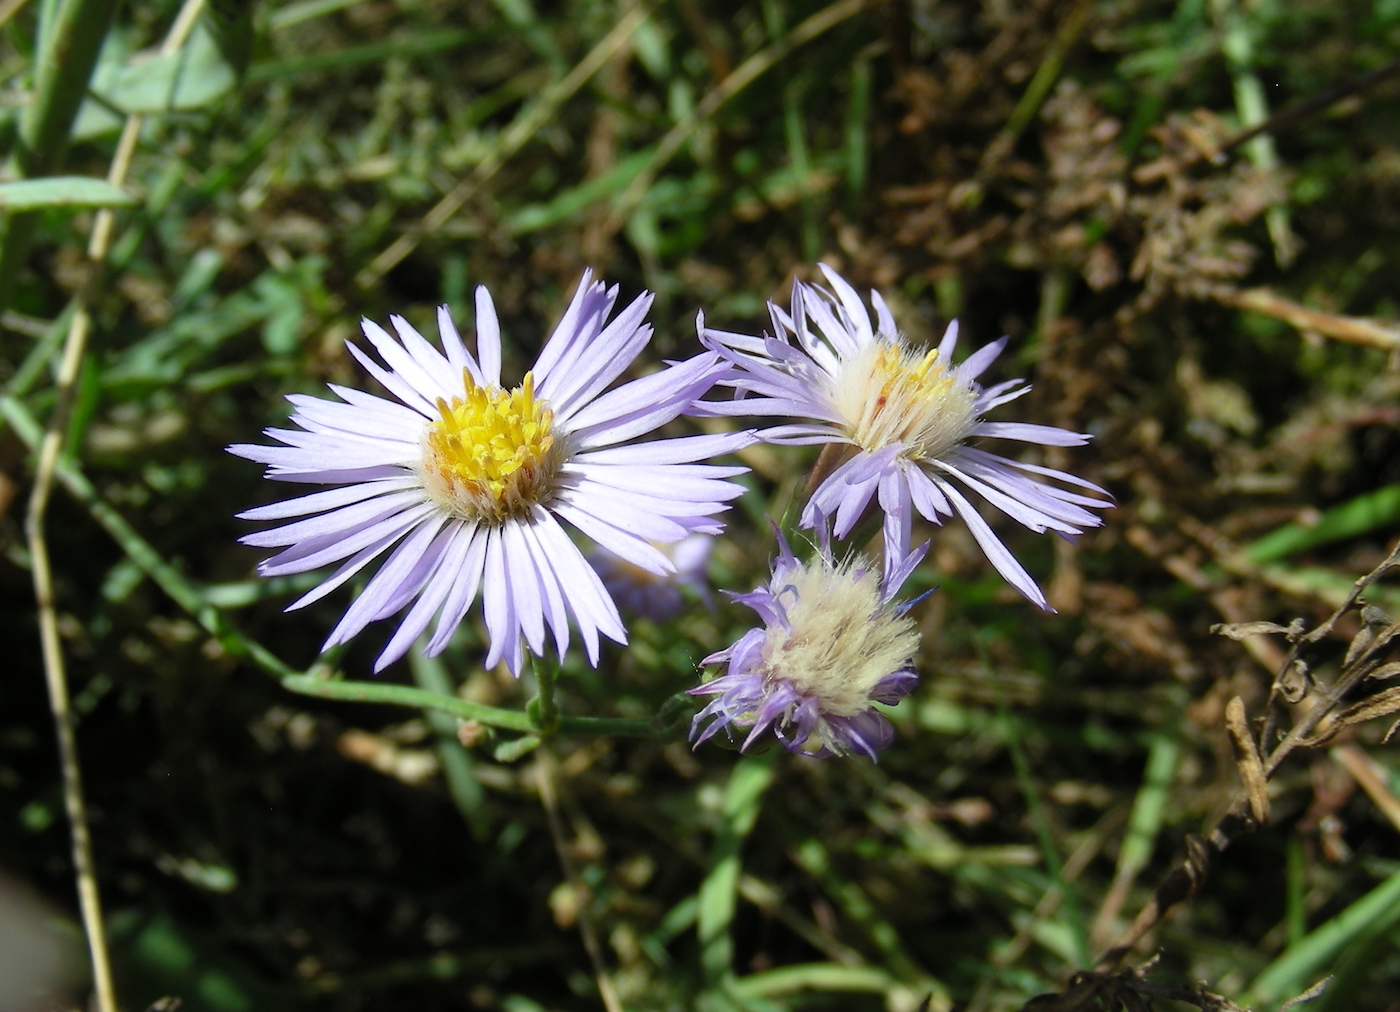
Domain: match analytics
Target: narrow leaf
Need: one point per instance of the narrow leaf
(61, 191)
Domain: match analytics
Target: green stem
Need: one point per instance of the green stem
(544, 708)
(1040, 819)
(403, 695)
(506, 720)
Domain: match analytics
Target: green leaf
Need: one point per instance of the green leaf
(1301, 964)
(790, 980)
(61, 191)
(194, 78)
(717, 898)
(1355, 517)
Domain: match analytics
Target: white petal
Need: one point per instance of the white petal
(457, 538)
(464, 586)
(488, 337)
(524, 585)
(996, 552)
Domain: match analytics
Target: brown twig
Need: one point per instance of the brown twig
(1351, 329)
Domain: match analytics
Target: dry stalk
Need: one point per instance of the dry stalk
(547, 772)
(55, 674)
(1351, 329)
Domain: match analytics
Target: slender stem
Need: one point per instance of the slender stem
(547, 770)
(403, 695)
(831, 456)
(506, 720)
(73, 801)
(48, 145)
(544, 708)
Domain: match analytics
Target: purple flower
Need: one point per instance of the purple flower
(832, 644)
(656, 596)
(467, 482)
(911, 417)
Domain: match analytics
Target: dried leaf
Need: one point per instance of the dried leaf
(1385, 637)
(1382, 704)
(1256, 784)
(1385, 671)
(1307, 995)
(1377, 631)
(1242, 630)
(1294, 681)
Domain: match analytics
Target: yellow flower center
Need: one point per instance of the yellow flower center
(889, 393)
(492, 454)
(843, 640)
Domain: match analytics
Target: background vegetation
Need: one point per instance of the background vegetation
(1219, 311)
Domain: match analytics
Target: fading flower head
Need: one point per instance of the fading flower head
(832, 644)
(657, 596)
(464, 482)
(911, 417)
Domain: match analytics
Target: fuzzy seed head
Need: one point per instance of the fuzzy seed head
(840, 639)
(888, 393)
(492, 454)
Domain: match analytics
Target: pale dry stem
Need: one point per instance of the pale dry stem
(74, 348)
(547, 771)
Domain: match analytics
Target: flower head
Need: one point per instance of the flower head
(464, 482)
(911, 417)
(657, 596)
(832, 644)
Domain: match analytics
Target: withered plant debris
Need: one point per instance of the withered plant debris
(1131, 991)
(1316, 705)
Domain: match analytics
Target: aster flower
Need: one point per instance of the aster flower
(911, 417)
(832, 644)
(465, 483)
(657, 596)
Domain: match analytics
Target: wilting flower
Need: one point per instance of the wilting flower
(467, 481)
(911, 416)
(832, 644)
(657, 596)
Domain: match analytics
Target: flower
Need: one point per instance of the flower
(652, 595)
(911, 416)
(467, 481)
(831, 646)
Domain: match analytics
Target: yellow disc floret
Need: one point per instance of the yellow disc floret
(888, 393)
(492, 454)
(841, 640)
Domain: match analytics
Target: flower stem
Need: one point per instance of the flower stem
(827, 461)
(544, 708)
(403, 695)
(506, 720)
